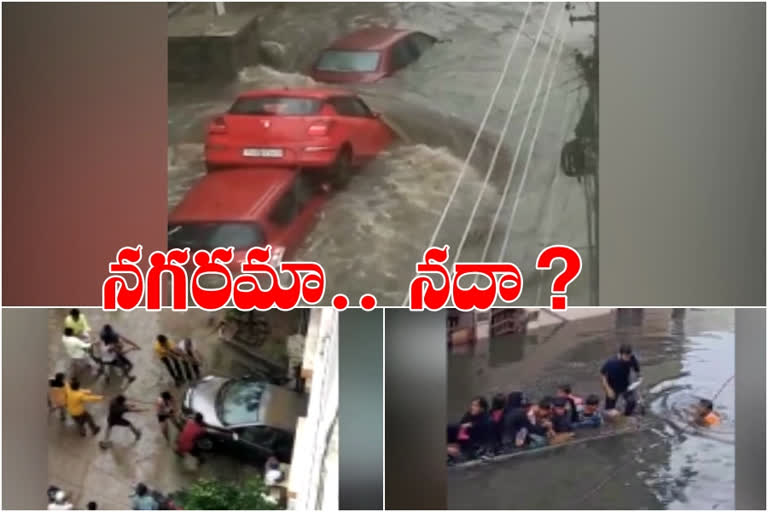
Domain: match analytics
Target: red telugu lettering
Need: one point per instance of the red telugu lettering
(253, 295)
(115, 292)
(172, 262)
(423, 291)
(475, 297)
(213, 262)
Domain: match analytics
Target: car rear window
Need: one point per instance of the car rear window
(275, 106)
(210, 235)
(348, 60)
(239, 402)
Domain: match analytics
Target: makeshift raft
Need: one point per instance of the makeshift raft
(604, 432)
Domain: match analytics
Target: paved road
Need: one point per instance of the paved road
(80, 466)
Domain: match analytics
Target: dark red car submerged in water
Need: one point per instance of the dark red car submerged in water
(370, 54)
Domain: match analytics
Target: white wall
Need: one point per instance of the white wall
(313, 482)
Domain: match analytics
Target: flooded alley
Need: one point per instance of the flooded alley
(371, 234)
(671, 464)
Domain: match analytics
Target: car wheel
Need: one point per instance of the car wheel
(205, 444)
(341, 170)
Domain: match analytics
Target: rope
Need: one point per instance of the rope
(472, 148)
(532, 146)
(499, 145)
(722, 387)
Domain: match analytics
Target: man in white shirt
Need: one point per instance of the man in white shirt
(77, 350)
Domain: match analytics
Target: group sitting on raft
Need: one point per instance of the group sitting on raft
(513, 422)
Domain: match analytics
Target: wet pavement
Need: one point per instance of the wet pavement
(671, 465)
(371, 234)
(79, 466)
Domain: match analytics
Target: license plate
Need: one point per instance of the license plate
(263, 153)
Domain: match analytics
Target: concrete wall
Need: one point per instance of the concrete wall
(548, 318)
(313, 479)
(212, 57)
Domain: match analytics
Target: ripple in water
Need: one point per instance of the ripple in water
(673, 403)
(699, 472)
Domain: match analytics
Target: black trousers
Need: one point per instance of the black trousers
(121, 362)
(192, 370)
(174, 369)
(630, 401)
(86, 419)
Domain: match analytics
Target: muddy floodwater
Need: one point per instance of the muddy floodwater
(371, 235)
(671, 465)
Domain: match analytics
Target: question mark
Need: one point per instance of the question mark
(572, 269)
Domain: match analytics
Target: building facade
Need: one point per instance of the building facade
(313, 477)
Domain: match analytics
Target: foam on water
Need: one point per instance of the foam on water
(372, 234)
(265, 77)
(407, 187)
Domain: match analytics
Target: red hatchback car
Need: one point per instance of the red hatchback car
(245, 209)
(370, 54)
(324, 129)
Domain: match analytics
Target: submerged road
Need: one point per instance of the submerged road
(373, 233)
(673, 465)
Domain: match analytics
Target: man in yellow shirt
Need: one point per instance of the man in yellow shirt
(57, 395)
(76, 400)
(167, 353)
(78, 323)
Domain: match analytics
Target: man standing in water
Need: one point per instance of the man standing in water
(615, 376)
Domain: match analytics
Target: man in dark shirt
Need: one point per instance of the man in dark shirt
(561, 419)
(118, 407)
(527, 424)
(615, 376)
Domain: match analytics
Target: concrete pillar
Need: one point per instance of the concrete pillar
(482, 325)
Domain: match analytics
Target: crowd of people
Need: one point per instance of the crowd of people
(513, 421)
(100, 358)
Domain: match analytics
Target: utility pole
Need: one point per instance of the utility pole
(590, 146)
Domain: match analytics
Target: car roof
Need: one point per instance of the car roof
(371, 38)
(281, 407)
(233, 195)
(298, 92)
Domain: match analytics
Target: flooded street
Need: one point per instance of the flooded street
(78, 465)
(372, 234)
(671, 465)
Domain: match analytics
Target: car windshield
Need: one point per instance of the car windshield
(238, 402)
(348, 60)
(211, 235)
(275, 106)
